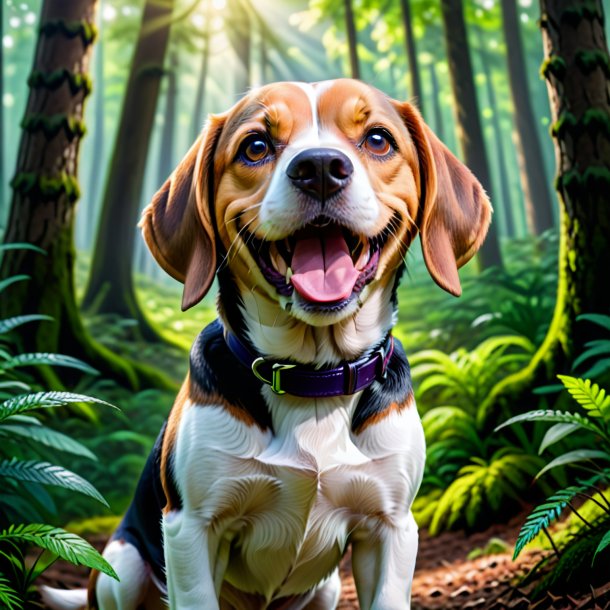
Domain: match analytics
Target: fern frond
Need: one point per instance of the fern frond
(587, 394)
(64, 544)
(604, 542)
(38, 400)
(47, 437)
(542, 516)
(9, 324)
(9, 598)
(560, 417)
(38, 358)
(48, 474)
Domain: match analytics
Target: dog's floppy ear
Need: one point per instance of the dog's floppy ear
(455, 211)
(176, 224)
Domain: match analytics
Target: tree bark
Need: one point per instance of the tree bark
(352, 39)
(45, 191)
(166, 154)
(96, 175)
(499, 148)
(439, 126)
(539, 206)
(414, 77)
(470, 132)
(576, 71)
(111, 288)
(2, 169)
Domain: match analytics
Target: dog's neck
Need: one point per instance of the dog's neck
(276, 333)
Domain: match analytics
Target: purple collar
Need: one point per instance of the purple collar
(304, 380)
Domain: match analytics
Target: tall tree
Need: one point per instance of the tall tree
(45, 190)
(166, 152)
(576, 70)
(537, 194)
(97, 161)
(352, 39)
(470, 132)
(497, 130)
(1, 109)
(414, 77)
(111, 288)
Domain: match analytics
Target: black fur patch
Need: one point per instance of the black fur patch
(217, 371)
(380, 395)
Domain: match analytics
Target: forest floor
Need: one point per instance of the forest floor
(445, 578)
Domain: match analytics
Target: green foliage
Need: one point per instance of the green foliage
(593, 422)
(598, 349)
(64, 545)
(484, 488)
(24, 441)
(467, 377)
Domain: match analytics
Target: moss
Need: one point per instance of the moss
(593, 182)
(55, 79)
(566, 123)
(589, 60)
(52, 124)
(596, 120)
(555, 66)
(85, 29)
(587, 9)
(106, 524)
(48, 187)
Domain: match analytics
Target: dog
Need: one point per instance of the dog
(295, 434)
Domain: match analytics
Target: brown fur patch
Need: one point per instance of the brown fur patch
(381, 415)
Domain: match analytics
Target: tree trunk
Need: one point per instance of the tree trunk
(499, 148)
(110, 288)
(1, 115)
(414, 78)
(439, 126)
(96, 175)
(539, 206)
(352, 39)
(45, 191)
(575, 68)
(198, 113)
(470, 132)
(166, 154)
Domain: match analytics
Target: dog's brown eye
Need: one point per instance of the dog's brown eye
(377, 142)
(255, 149)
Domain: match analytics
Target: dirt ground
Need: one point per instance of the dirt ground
(445, 579)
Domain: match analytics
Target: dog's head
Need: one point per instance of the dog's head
(312, 194)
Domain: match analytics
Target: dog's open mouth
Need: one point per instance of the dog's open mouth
(324, 263)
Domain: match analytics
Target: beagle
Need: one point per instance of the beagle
(295, 433)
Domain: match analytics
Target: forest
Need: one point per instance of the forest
(99, 102)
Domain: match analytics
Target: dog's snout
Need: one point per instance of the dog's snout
(320, 172)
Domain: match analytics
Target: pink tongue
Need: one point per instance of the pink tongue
(323, 270)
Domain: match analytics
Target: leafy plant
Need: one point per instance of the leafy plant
(24, 474)
(591, 453)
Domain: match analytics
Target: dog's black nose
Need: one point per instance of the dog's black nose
(320, 172)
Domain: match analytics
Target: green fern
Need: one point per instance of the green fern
(42, 358)
(64, 544)
(48, 474)
(28, 402)
(11, 323)
(543, 515)
(9, 598)
(588, 395)
(604, 543)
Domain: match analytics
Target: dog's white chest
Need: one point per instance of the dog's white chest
(282, 506)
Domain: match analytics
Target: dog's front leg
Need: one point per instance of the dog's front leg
(383, 561)
(189, 560)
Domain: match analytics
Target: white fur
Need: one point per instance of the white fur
(292, 501)
(63, 599)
